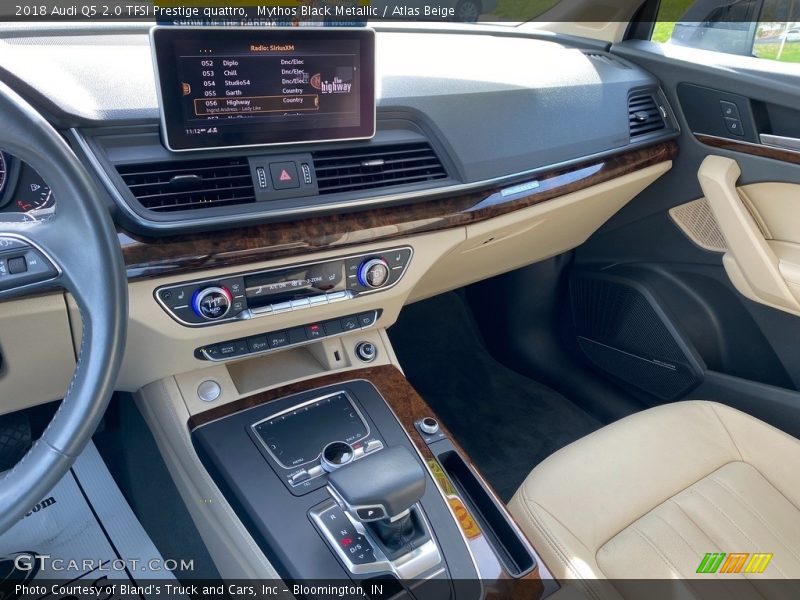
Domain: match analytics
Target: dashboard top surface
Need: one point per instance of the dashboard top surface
(82, 74)
(563, 101)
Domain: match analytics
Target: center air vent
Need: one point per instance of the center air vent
(369, 168)
(190, 184)
(644, 115)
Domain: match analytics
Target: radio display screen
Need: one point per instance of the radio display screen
(290, 284)
(298, 437)
(249, 86)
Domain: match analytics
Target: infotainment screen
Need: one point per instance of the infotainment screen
(231, 87)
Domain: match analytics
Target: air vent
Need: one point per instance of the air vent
(606, 59)
(369, 168)
(644, 115)
(190, 184)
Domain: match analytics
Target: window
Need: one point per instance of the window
(767, 29)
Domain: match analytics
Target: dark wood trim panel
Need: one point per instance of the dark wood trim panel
(789, 156)
(409, 407)
(150, 257)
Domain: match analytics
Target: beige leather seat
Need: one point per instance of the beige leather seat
(650, 495)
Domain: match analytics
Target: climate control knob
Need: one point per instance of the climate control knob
(373, 273)
(211, 303)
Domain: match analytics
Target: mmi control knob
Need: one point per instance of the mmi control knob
(336, 455)
(211, 303)
(373, 273)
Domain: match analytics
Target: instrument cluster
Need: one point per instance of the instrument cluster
(24, 195)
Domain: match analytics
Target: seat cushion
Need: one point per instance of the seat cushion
(650, 495)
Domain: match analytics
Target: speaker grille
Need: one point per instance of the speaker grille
(665, 381)
(620, 331)
(696, 220)
(619, 315)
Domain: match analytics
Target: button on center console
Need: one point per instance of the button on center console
(366, 351)
(284, 175)
(278, 340)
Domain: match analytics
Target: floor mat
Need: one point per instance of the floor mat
(132, 456)
(82, 532)
(505, 421)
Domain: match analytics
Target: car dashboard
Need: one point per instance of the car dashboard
(473, 151)
(255, 267)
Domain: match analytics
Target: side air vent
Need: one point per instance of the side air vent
(190, 184)
(369, 168)
(644, 115)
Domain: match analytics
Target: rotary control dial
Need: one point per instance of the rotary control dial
(373, 273)
(212, 303)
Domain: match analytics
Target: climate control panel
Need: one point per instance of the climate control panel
(285, 289)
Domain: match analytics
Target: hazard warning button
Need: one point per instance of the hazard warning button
(284, 175)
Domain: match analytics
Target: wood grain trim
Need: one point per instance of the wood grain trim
(150, 257)
(772, 152)
(408, 407)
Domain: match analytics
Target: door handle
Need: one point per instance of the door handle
(780, 141)
(751, 263)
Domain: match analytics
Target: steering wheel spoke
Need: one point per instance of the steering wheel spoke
(25, 266)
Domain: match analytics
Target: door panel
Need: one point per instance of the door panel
(761, 269)
(748, 350)
(777, 205)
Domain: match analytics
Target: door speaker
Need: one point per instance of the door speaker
(624, 332)
(696, 220)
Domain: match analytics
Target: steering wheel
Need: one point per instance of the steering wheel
(82, 255)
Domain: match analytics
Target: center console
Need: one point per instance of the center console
(351, 476)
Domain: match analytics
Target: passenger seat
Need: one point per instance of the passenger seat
(649, 496)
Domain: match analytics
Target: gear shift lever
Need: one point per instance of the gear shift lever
(380, 490)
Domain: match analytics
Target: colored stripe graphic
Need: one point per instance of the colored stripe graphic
(711, 562)
(758, 562)
(734, 562)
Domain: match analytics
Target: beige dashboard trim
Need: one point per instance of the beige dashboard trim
(232, 548)
(159, 348)
(38, 356)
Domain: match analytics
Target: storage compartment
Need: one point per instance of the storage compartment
(505, 538)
